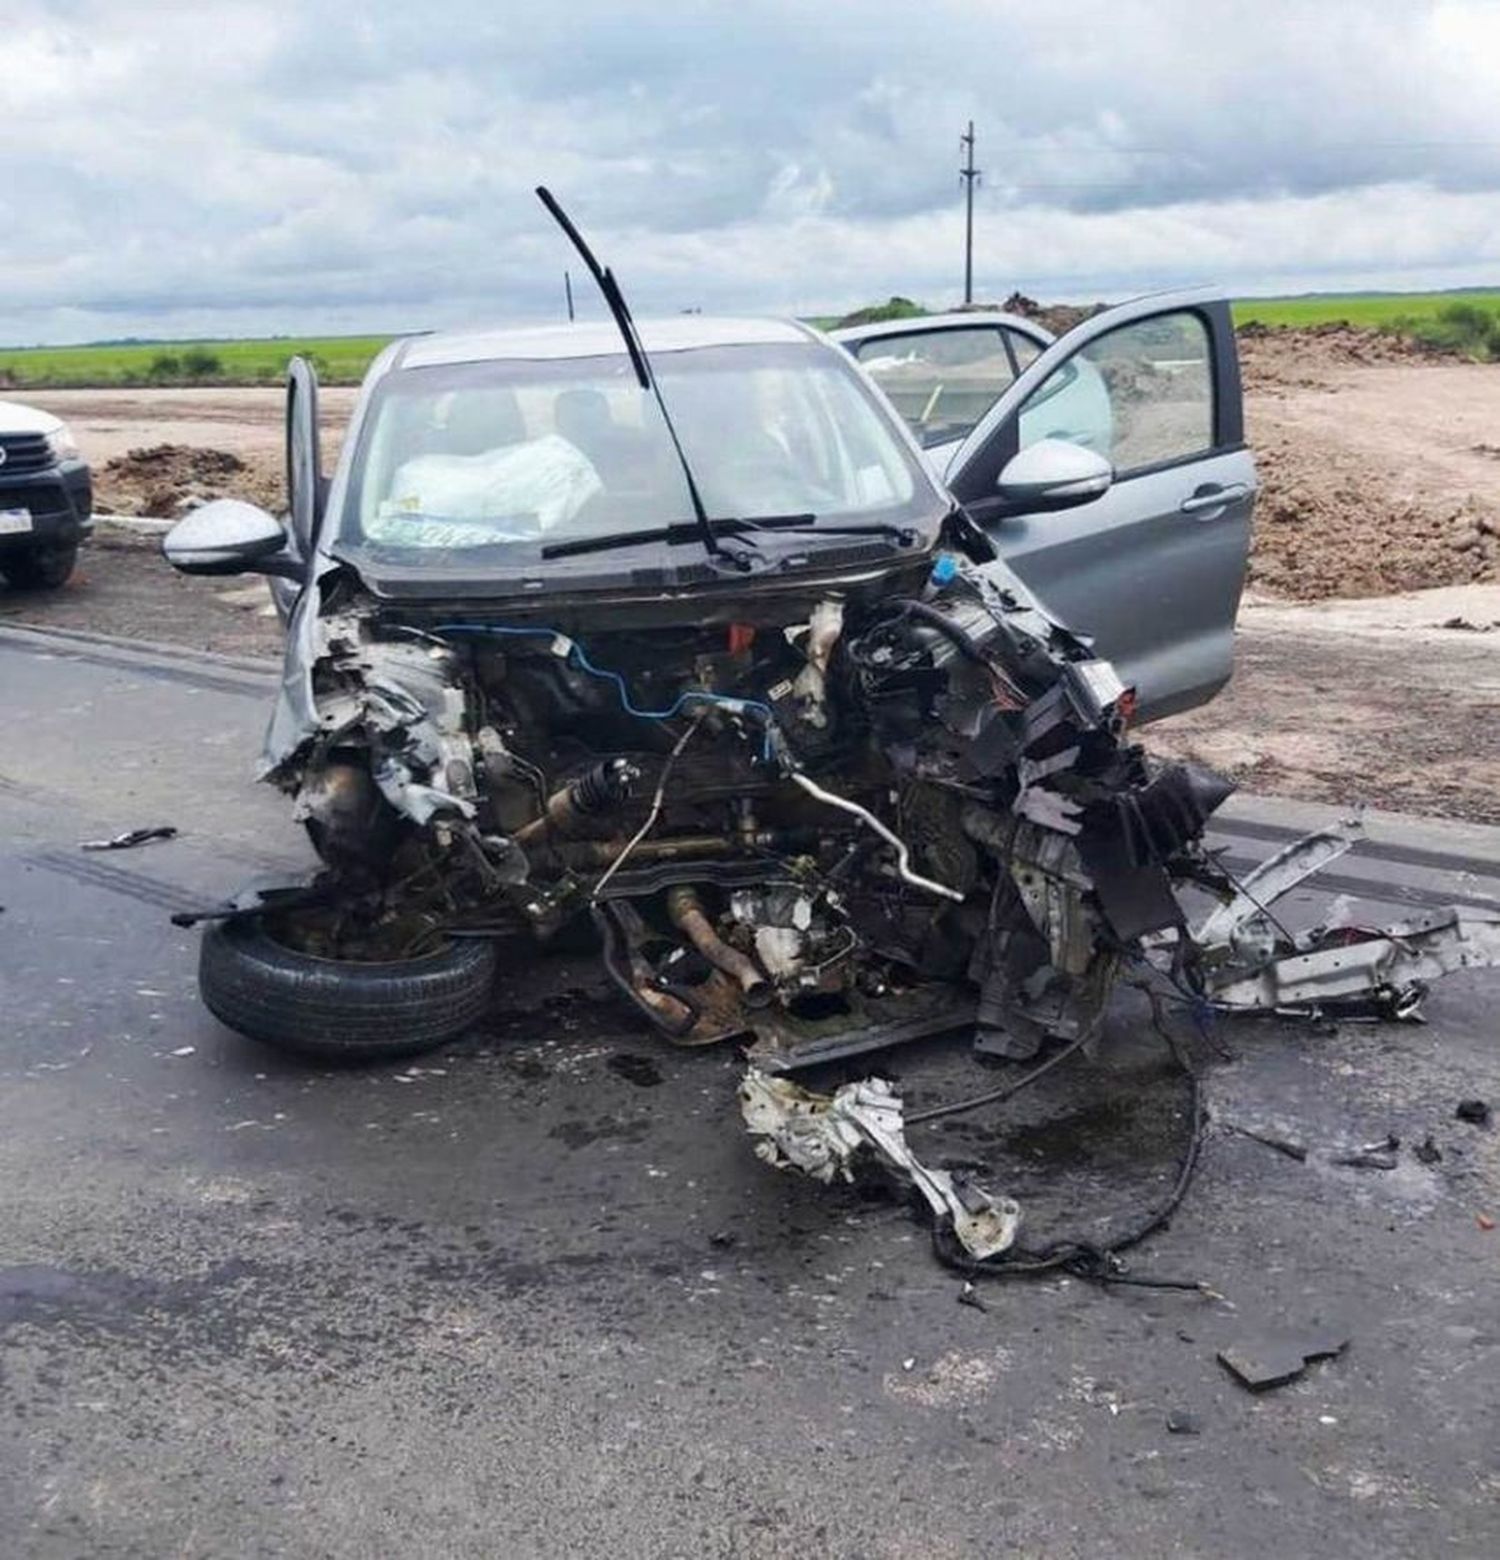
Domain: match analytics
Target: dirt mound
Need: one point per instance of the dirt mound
(1300, 356)
(166, 480)
(1326, 526)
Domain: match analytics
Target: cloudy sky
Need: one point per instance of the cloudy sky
(256, 167)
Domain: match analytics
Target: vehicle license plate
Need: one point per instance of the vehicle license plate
(14, 521)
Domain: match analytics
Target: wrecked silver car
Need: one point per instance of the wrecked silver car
(672, 635)
(773, 714)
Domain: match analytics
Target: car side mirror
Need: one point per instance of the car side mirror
(1054, 474)
(228, 536)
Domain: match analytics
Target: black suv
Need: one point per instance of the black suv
(46, 498)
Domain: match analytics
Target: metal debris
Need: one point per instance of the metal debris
(1390, 967)
(821, 1134)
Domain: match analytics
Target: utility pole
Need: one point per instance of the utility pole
(970, 175)
(568, 289)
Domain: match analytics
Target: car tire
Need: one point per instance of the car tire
(41, 568)
(338, 1010)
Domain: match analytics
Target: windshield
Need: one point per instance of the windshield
(515, 453)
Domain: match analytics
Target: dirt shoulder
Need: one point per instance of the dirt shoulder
(1373, 702)
(1379, 465)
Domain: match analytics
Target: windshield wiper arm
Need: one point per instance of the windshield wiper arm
(644, 373)
(676, 534)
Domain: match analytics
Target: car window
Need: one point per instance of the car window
(1140, 395)
(941, 381)
(478, 454)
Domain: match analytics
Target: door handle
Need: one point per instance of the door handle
(1212, 498)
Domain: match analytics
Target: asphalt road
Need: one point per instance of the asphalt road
(535, 1296)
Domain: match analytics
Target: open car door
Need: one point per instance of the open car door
(1139, 534)
(306, 487)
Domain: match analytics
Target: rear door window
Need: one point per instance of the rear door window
(941, 381)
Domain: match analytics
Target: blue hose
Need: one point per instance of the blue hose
(579, 656)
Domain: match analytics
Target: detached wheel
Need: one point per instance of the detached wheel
(338, 1010)
(41, 568)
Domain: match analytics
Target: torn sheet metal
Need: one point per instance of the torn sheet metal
(1242, 922)
(821, 1134)
(1390, 965)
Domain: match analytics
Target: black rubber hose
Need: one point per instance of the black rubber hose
(926, 613)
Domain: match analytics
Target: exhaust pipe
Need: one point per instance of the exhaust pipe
(687, 914)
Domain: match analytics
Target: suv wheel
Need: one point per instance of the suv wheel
(40, 568)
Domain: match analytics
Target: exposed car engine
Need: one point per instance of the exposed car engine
(892, 814)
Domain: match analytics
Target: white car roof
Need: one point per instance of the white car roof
(15, 418)
(596, 338)
(1032, 328)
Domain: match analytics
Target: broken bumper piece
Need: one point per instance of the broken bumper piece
(821, 1135)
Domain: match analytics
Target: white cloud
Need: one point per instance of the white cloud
(177, 169)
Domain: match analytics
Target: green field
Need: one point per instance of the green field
(339, 359)
(1376, 310)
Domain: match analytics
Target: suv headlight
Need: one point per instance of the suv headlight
(62, 444)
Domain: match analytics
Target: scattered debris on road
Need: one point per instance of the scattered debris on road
(1260, 1363)
(1283, 1145)
(1372, 1156)
(131, 838)
(819, 1135)
(1475, 1112)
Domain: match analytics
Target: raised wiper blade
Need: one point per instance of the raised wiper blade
(644, 373)
(677, 534)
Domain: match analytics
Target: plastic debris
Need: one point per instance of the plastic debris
(131, 838)
(1372, 1156)
(1288, 1146)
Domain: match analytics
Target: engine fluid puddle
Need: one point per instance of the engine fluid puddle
(579, 1134)
(634, 1068)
